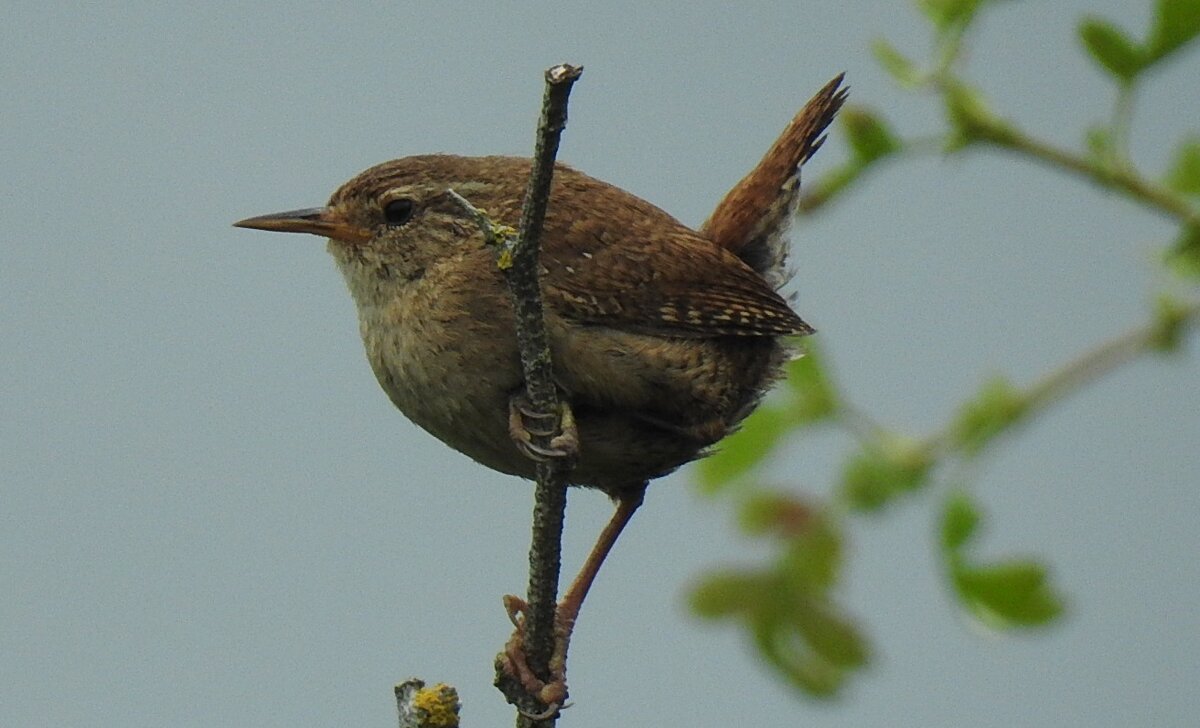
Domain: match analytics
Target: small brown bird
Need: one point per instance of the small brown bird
(663, 338)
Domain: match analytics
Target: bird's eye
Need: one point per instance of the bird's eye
(398, 212)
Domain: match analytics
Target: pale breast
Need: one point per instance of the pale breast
(447, 370)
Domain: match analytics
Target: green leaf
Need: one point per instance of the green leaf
(1008, 594)
(828, 186)
(960, 521)
(726, 593)
(1176, 23)
(1013, 593)
(878, 473)
(1183, 258)
(865, 481)
(1170, 317)
(972, 117)
(807, 638)
(802, 667)
(1184, 176)
(812, 560)
(947, 14)
(832, 636)
(898, 66)
(1112, 48)
(1100, 143)
(869, 137)
(812, 397)
(799, 630)
(776, 513)
(744, 450)
(997, 406)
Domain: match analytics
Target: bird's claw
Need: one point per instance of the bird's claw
(552, 694)
(563, 444)
(517, 608)
(551, 711)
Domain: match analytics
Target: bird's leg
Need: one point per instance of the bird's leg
(568, 609)
(554, 692)
(524, 424)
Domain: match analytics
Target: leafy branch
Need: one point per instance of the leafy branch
(789, 606)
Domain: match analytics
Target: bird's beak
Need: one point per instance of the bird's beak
(323, 221)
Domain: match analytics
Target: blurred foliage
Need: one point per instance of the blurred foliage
(1002, 594)
(788, 606)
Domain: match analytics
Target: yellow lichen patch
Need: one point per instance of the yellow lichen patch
(439, 704)
(501, 233)
(506, 237)
(504, 261)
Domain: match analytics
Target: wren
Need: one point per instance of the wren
(663, 338)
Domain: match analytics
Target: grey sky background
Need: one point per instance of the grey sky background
(211, 516)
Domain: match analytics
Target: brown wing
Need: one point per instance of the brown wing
(639, 269)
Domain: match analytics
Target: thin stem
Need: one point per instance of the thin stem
(1122, 122)
(550, 495)
(1101, 360)
(1123, 177)
(949, 50)
(1117, 172)
(860, 424)
(1080, 371)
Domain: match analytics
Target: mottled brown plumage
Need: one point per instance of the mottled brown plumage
(663, 338)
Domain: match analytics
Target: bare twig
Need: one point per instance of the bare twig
(550, 496)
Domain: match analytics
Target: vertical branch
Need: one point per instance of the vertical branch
(550, 497)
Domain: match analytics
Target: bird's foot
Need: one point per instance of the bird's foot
(551, 693)
(525, 425)
(513, 663)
